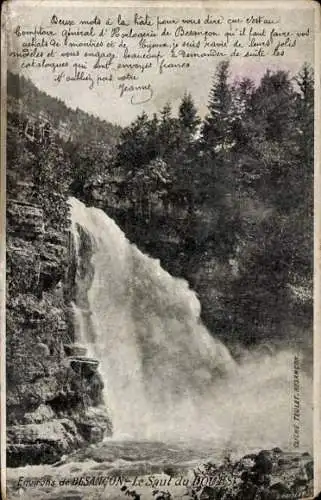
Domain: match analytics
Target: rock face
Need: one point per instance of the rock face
(51, 408)
(25, 220)
(41, 443)
(94, 423)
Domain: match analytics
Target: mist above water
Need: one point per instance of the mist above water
(166, 377)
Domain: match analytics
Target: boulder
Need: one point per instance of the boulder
(309, 469)
(285, 462)
(207, 493)
(53, 258)
(280, 489)
(83, 365)
(246, 463)
(41, 443)
(75, 350)
(43, 413)
(263, 463)
(95, 424)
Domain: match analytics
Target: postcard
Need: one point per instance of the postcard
(161, 170)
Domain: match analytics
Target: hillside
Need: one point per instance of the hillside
(77, 126)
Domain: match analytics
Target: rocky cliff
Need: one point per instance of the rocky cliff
(54, 391)
(54, 398)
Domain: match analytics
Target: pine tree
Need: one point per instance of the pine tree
(168, 133)
(215, 180)
(131, 151)
(273, 104)
(166, 113)
(187, 116)
(153, 146)
(218, 124)
(305, 118)
(242, 92)
(268, 141)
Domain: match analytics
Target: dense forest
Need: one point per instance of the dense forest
(249, 166)
(245, 170)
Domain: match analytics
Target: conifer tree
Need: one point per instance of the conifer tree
(131, 151)
(187, 116)
(218, 124)
(168, 133)
(305, 119)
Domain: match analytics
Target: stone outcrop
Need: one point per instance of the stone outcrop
(25, 220)
(53, 407)
(43, 413)
(94, 423)
(39, 443)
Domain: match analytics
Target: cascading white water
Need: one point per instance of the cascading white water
(165, 375)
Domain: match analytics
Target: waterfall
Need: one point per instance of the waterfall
(164, 373)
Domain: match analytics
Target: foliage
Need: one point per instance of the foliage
(218, 124)
(252, 164)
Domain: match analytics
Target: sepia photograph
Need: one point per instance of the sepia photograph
(159, 340)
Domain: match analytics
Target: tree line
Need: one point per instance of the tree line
(250, 161)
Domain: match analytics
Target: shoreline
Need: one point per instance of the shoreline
(272, 474)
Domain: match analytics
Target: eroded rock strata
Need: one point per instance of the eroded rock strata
(54, 398)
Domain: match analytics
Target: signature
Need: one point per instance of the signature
(139, 93)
